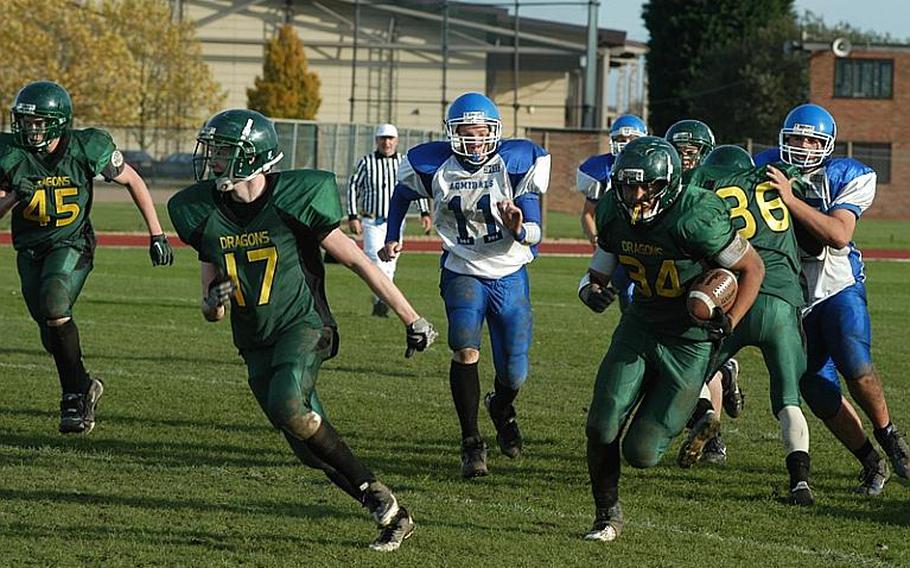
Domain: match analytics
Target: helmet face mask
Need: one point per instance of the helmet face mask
(693, 139)
(41, 113)
(624, 129)
(802, 125)
(466, 114)
(235, 146)
(647, 179)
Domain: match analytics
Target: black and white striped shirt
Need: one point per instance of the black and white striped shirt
(371, 186)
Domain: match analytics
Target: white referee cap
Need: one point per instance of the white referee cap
(384, 130)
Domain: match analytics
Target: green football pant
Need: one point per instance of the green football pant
(676, 371)
(283, 380)
(773, 326)
(51, 283)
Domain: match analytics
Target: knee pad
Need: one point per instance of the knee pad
(638, 454)
(55, 299)
(822, 396)
(600, 435)
(516, 372)
(794, 430)
(302, 426)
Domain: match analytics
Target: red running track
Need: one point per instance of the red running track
(426, 245)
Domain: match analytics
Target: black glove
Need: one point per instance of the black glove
(420, 335)
(25, 190)
(220, 291)
(596, 297)
(719, 326)
(160, 251)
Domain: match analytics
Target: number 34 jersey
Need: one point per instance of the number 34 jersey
(58, 211)
(465, 200)
(269, 248)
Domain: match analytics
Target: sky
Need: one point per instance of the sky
(878, 15)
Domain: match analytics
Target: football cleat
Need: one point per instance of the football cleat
(872, 478)
(801, 495)
(382, 504)
(607, 525)
(77, 411)
(508, 435)
(399, 529)
(701, 433)
(714, 452)
(733, 398)
(473, 458)
(898, 451)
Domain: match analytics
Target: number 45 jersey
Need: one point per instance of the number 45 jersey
(465, 210)
(269, 248)
(58, 211)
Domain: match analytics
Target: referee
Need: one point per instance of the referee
(368, 202)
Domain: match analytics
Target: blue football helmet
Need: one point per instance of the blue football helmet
(627, 126)
(810, 121)
(470, 109)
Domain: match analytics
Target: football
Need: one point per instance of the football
(715, 288)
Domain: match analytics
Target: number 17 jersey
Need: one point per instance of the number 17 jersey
(465, 202)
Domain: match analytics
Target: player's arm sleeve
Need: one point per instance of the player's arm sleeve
(410, 178)
(188, 215)
(530, 233)
(423, 205)
(320, 204)
(857, 195)
(587, 185)
(354, 185)
(398, 208)
(103, 157)
(537, 178)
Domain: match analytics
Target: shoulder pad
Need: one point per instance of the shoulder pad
(96, 145)
(310, 196)
(519, 154)
(190, 208)
(598, 167)
(841, 171)
(426, 158)
(767, 156)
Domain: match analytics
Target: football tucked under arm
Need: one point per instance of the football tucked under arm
(715, 288)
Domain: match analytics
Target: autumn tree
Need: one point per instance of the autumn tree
(286, 89)
(74, 45)
(175, 87)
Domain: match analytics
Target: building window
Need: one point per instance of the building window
(863, 78)
(877, 156)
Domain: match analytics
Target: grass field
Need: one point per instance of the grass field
(123, 217)
(183, 469)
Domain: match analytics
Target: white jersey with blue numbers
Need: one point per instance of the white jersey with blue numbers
(593, 176)
(465, 212)
(840, 183)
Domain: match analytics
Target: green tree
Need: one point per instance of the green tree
(175, 87)
(814, 28)
(747, 87)
(286, 89)
(686, 35)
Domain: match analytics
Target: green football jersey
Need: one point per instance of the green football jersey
(58, 211)
(663, 257)
(760, 217)
(269, 248)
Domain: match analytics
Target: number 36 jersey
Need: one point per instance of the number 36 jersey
(58, 211)
(465, 211)
(269, 248)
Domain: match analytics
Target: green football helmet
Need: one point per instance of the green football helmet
(41, 112)
(693, 140)
(646, 178)
(235, 145)
(729, 156)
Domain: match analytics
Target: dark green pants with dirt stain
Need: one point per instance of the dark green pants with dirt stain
(676, 372)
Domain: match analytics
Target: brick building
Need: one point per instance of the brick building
(868, 92)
